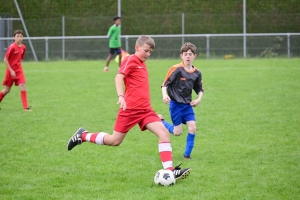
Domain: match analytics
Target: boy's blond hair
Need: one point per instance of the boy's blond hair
(144, 39)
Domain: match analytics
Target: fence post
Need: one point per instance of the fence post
(26, 31)
(182, 24)
(126, 43)
(2, 34)
(46, 50)
(63, 39)
(244, 29)
(288, 46)
(207, 46)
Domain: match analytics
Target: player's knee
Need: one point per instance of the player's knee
(116, 143)
(6, 90)
(164, 137)
(192, 129)
(22, 87)
(177, 130)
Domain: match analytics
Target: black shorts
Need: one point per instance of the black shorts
(114, 50)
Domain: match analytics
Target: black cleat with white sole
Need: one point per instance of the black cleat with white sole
(76, 138)
(181, 173)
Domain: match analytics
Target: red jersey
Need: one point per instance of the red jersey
(137, 93)
(14, 55)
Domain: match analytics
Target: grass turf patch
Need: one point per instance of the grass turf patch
(247, 143)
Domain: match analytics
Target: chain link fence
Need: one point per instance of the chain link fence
(179, 23)
(209, 46)
(73, 38)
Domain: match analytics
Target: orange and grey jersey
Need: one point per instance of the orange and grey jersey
(180, 82)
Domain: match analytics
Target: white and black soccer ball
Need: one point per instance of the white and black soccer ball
(164, 177)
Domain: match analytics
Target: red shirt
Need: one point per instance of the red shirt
(14, 55)
(137, 93)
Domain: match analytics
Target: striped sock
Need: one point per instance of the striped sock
(165, 152)
(97, 138)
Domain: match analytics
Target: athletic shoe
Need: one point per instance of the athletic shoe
(28, 109)
(76, 139)
(187, 157)
(181, 173)
(105, 69)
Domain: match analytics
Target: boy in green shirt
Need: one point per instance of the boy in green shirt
(114, 42)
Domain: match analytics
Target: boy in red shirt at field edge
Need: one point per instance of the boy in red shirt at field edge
(14, 72)
(135, 108)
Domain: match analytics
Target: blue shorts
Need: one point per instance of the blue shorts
(115, 50)
(181, 113)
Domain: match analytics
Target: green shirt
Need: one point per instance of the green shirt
(114, 36)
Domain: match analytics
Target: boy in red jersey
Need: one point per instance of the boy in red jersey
(135, 108)
(177, 89)
(14, 72)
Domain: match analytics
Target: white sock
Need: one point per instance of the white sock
(100, 138)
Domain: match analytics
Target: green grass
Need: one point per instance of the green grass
(247, 144)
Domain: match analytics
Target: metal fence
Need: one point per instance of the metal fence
(209, 46)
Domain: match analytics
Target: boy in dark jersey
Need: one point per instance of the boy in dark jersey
(177, 89)
(114, 42)
(14, 72)
(135, 108)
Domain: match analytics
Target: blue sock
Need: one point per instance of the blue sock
(189, 144)
(169, 126)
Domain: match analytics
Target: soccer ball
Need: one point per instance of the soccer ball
(164, 177)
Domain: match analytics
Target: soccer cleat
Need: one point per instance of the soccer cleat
(28, 109)
(187, 157)
(105, 69)
(76, 138)
(181, 173)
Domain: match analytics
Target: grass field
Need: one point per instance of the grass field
(247, 144)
